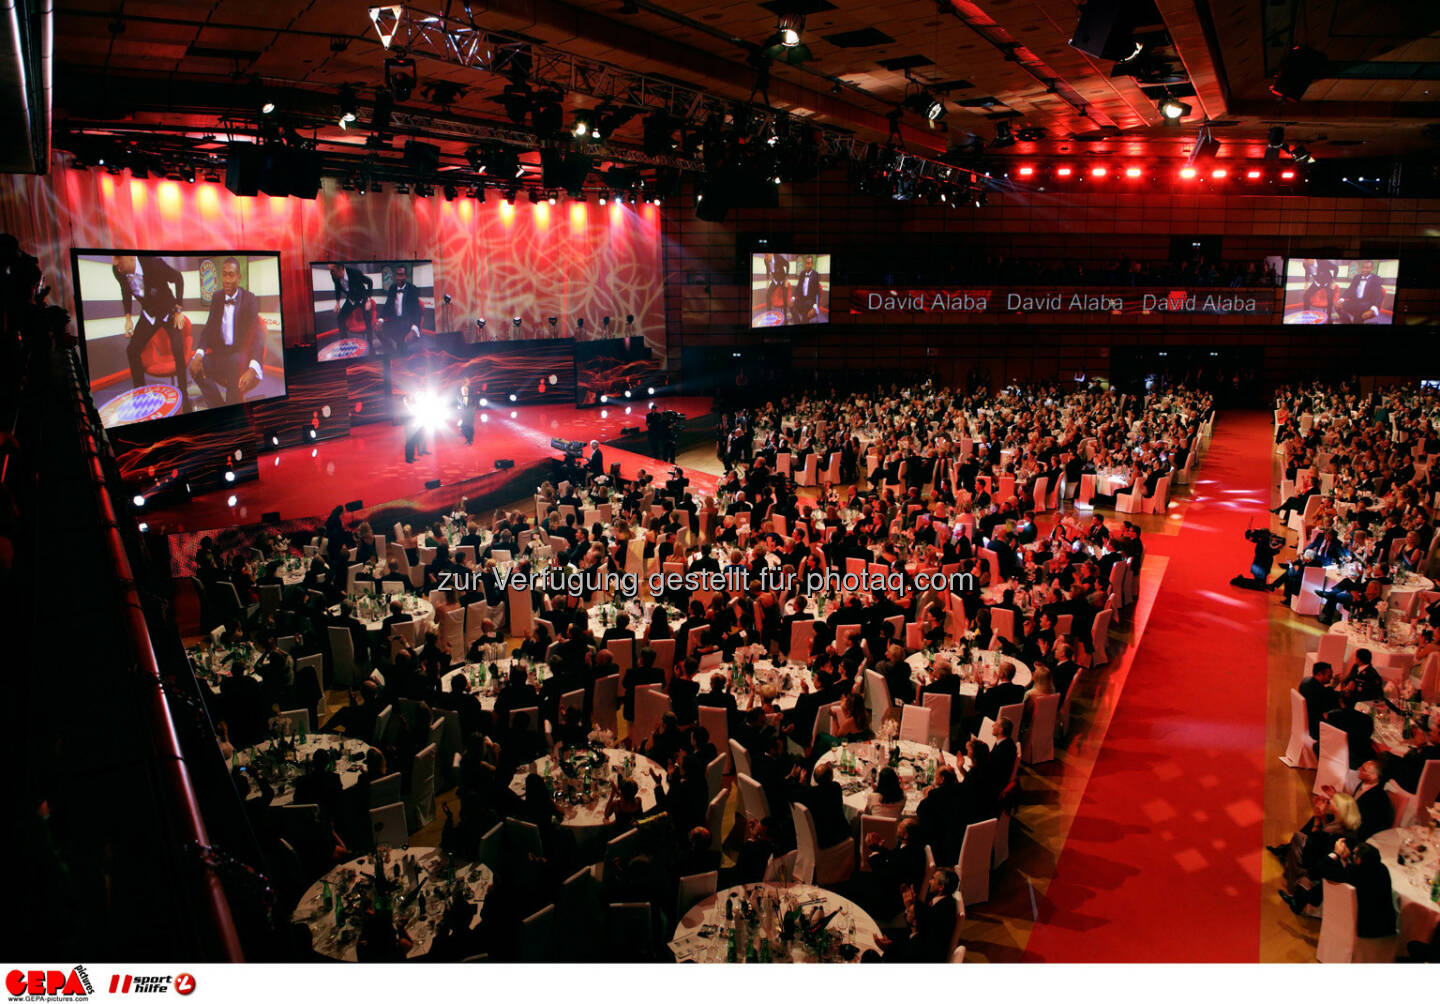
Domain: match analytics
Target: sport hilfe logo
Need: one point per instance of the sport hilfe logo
(41, 984)
(126, 983)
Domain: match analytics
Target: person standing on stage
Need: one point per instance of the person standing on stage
(596, 466)
(465, 404)
(414, 429)
(654, 428)
(402, 311)
(352, 288)
(805, 300)
(160, 289)
(672, 438)
(1320, 278)
(228, 357)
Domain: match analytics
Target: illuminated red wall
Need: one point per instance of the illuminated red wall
(494, 259)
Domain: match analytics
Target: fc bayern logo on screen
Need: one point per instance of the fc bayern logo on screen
(49, 984)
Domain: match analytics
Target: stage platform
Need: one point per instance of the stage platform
(307, 481)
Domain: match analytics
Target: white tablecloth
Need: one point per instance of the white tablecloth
(787, 678)
(1357, 637)
(1410, 882)
(340, 944)
(701, 934)
(983, 669)
(602, 616)
(1400, 596)
(350, 765)
(858, 786)
(592, 813)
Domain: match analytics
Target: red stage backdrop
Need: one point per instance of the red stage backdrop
(495, 260)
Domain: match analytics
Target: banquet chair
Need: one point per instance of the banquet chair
(710, 660)
(491, 852)
(783, 462)
(782, 868)
(292, 723)
(716, 721)
(877, 695)
(915, 723)
(631, 927)
(453, 628)
(1331, 650)
(802, 638)
(957, 956)
(715, 819)
(343, 667)
(502, 555)
(1100, 637)
(382, 725)
(651, 703)
(715, 775)
(1334, 762)
(522, 840)
(855, 566)
(580, 913)
(1301, 751)
(664, 653)
(1040, 744)
(831, 474)
(1062, 719)
(739, 756)
(694, 888)
(520, 603)
(537, 936)
(572, 699)
(887, 826)
(1160, 501)
(1063, 624)
(1305, 602)
(392, 588)
(1001, 852)
(420, 804)
(607, 697)
(914, 640)
(753, 803)
(1430, 678)
(1086, 494)
(475, 614)
(898, 623)
(623, 651)
(1339, 942)
(531, 717)
(385, 790)
(1003, 622)
(1040, 495)
(1131, 501)
(974, 865)
(955, 948)
(815, 864)
(993, 560)
(387, 822)
(270, 597)
(619, 850)
(939, 706)
(1413, 811)
(808, 476)
(308, 669)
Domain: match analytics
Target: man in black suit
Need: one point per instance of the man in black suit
(1376, 811)
(826, 802)
(1361, 867)
(1320, 698)
(931, 919)
(596, 465)
(465, 405)
(160, 290)
(1362, 299)
(403, 312)
(991, 699)
(805, 301)
(1320, 278)
(352, 288)
(1406, 770)
(231, 344)
(1356, 725)
(1002, 757)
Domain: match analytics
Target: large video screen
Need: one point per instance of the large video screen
(789, 289)
(1340, 291)
(168, 334)
(371, 307)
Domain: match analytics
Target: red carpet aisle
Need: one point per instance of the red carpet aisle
(1162, 863)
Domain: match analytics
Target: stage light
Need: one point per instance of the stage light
(1252, 175)
(400, 76)
(347, 106)
(605, 320)
(552, 379)
(580, 323)
(231, 501)
(551, 199)
(603, 200)
(450, 192)
(516, 321)
(790, 26)
(1025, 172)
(1132, 172)
(587, 123)
(604, 414)
(139, 501)
(1219, 173)
(1301, 155)
(143, 527)
(274, 440)
(484, 418)
(627, 393)
(1063, 172)
(513, 399)
(629, 318)
(268, 108)
(1099, 172)
(604, 398)
(1004, 135)
(230, 476)
(1188, 172)
(650, 391)
(514, 414)
(627, 411)
(510, 195)
(554, 321)
(1173, 109)
(1274, 142)
(480, 323)
(1287, 175)
(484, 402)
(312, 434)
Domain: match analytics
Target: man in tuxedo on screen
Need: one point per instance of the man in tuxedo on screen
(352, 289)
(402, 311)
(805, 300)
(160, 290)
(1361, 301)
(1320, 278)
(228, 356)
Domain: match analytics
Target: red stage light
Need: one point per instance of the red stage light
(1099, 172)
(1252, 175)
(1219, 172)
(1187, 172)
(1132, 172)
(1063, 172)
(1026, 172)
(1287, 175)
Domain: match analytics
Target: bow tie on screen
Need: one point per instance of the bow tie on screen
(234, 298)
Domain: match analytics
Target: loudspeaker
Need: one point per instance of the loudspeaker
(242, 169)
(355, 505)
(631, 430)
(430, 486)
(270, 517)
(504, 465)
(1106, 28)
(1299, 69)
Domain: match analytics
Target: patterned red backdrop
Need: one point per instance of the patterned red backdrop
(496, 260)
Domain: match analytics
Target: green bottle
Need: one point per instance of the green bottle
(731, 955)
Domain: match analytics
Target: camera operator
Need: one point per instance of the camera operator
(1267, 545)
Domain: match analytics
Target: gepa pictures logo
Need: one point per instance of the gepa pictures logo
(43, 984)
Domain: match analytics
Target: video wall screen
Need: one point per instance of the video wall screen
(367, 308)
(789, 289)
(168, 334)
(611, 366)
(1340, 291)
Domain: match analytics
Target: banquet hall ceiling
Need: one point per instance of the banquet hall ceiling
(993, 63)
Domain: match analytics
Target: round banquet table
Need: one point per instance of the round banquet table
(856, 783)
(1389, 728)
(357, 877)
(581, 814)
(786, 678)
(487, 688)
(602, 616)
(219, 662)
(1418, 915)
(1396, 655)
(982, 669)
(281, 777)
(1400, 595)
(421, 611)
(701, 934)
